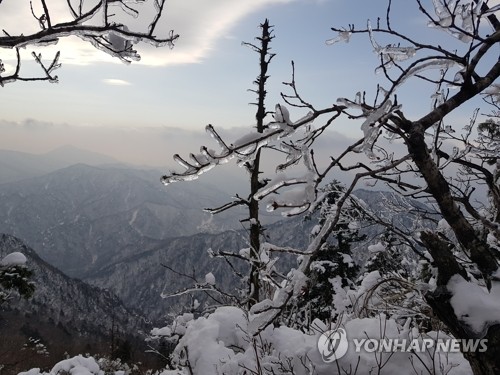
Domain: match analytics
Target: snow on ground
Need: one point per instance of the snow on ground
(220, 344)
(210, 278)
(78, 365)
(475, 305)
(13, 259)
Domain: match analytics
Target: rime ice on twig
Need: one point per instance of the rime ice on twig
(97, 25)
(244, 148)
(457, 20)
(390, 53)
(343, 36)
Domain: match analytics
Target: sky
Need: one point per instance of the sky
(145, 112)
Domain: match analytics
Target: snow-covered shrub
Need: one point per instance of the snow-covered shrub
(220, 344)
(80, 365)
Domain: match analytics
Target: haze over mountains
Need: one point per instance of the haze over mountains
(94, 220)
(114, 226)
(81, 218)
(16, 165)
(78, 218)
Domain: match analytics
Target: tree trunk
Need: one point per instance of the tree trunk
(254, 168)
(482, 363)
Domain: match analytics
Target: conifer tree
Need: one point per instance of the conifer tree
(15, 278)
(333, 266)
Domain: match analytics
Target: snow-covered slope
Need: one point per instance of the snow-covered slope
(71, 302)
(60, 310)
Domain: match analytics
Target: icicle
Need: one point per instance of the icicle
(358, 98)
(306, 155)
(182, 162)
(198, 159)
(458, 79)
(477, 8)
(437, 99)
(376, 46)
(282, 115)
(467, 24)
(210, 130)
(293, 155)
(118, 42)
(130, 11)
(156, 4)
(248, 139)
(397, 53)
(371, 131)
(342, 36)
(463, 17)
(445, 17)
(431, 64)
(390, 53)
(348, 103)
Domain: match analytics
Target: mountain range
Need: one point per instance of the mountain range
(83, 217)
(16, 165)
(120, 230)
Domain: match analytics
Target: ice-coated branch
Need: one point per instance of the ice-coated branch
(97, 26)
(282, 249)
(415, 59)
(244, 149)
(264, 313)
(48, 70)
(237, 202)
(197, 286)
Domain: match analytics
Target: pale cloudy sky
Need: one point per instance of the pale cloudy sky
(145, 111)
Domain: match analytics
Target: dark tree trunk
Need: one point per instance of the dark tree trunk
(478, 251)
(254, 167)
(482, 363)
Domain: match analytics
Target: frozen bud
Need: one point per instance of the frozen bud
(13, 259)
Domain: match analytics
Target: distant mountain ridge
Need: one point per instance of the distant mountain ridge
(17, 165)
(82, 217)
(115, 226)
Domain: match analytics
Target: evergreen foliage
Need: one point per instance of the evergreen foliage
(15, 278)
